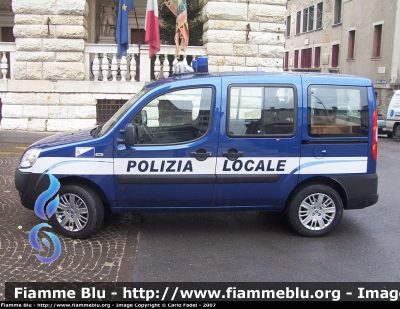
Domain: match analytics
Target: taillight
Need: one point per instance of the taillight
(374, 135)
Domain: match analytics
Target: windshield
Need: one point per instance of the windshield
(119, 114)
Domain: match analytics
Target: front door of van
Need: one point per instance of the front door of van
(173, 162)
(259, 147)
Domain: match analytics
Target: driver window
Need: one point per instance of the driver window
(175, 117)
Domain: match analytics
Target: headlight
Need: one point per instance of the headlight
(29, 158)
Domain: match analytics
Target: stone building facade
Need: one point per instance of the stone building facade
(51, 78)
(347, 36)
(245, 35)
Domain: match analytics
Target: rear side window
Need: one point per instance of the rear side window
(337, 111)
(261, 111)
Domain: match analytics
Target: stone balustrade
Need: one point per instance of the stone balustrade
(7, 56)
(100, 60)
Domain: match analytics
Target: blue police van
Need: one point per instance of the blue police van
(304, 144)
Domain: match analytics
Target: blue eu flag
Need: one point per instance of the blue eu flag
(125, 6)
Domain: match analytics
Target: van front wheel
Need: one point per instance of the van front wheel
(314, 210)
(80, 212)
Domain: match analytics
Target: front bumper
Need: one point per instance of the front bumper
(30, 186)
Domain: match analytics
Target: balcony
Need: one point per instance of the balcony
(63, 104)
(102, 65)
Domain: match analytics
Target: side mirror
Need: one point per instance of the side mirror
(131, 136)
(144, 117)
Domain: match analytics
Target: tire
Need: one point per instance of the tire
(314, 210)
(397, 133)
(85, 201)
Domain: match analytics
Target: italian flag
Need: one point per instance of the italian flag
(152, 28)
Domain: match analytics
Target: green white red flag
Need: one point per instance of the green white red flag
(152, 28)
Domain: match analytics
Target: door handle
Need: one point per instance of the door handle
(232, 154)
(201, 154)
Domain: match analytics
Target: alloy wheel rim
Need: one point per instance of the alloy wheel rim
(317, 211)
(72, 213)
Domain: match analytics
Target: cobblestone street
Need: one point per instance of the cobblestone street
(106, 257)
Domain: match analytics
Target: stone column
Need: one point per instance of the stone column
(50, 38)
(247, 36)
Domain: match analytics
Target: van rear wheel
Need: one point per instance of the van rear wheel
(80, 212)
(397, 133)
(314, 210)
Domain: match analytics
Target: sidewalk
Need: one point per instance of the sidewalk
(108, 256)
(22, 137)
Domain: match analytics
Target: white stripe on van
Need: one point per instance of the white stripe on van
(192, 166)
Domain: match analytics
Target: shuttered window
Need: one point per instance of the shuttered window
(352, 38)
(376, 52)
(317, 57)
(286, 61)
(306, 58)
(335, 56)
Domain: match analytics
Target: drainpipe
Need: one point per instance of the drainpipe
(394, 70)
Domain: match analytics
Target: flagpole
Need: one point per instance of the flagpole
(137, 26)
